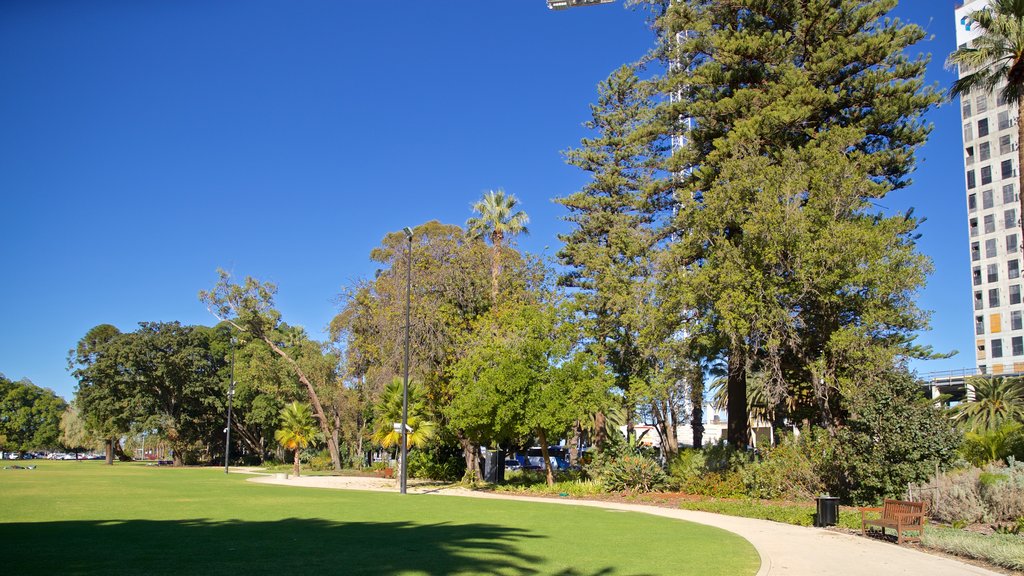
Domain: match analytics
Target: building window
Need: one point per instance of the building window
(976, 275)
(986, 175)
(972, 202)
(1018, 345)
(997, 348)
(968, 132)
(981, 103)
(990, 248)
(974, 227)
(987, 200)
(993, 298)
(1013, 269)
(1010, 218)
(978, 304)
(969, 153)
(1009, 194)
(979, 325)
(1014, 294)
(1003, 120)
(993, 273)
(965, 107)
(984, 151)
(1006, 167)
(990, 223)
(1000, 100)
(982, 127)
(971, 183)
(1015, 320)
(975, 251)
(1004, 144)
(1011, 243)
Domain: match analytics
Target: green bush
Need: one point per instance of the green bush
(714, 471)
(634, 474)
(785, 471)
(436, 463)
(892, 437)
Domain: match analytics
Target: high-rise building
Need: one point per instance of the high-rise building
(990, 167)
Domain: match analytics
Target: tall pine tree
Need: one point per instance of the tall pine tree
(800, 114)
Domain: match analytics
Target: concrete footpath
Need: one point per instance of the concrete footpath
(784, 549)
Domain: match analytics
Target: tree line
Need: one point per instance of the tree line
(730, 234)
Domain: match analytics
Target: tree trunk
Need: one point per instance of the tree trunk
(296, 462)
(737, 399)
(495, 265)
(471, 454)
(119, 452)
(543, 439)
(599, 436)
(314, 399)
(697, 401)
(671, 440)
(574, 445)
(108, 450)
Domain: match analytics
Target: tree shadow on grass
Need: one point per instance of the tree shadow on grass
(291, 546)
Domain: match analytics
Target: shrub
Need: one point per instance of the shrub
(991, 494)
(713, 471)
(436, 463)
(784, 471)
(953, 497)
(633, 473)
(893, 437)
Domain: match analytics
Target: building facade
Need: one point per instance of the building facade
(990, 167)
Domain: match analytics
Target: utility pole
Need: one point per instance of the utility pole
(564, 4)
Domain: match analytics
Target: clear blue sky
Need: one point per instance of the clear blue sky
(144, 144)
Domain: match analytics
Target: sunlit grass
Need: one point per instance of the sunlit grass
(87, 518)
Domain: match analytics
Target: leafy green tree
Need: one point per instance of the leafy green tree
(98, 397)
(993, 61)
(388, 411)
(450, 290)
(794, 116)
(892, 437)
(249, 308)
(29, 416)
(998, 401)
(297, 429)
(523, 376)
(499, 221)
(74, 435)
(611, 253)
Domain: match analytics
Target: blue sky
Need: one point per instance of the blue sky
(145, 144)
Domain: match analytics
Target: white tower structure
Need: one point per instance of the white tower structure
(990, 165)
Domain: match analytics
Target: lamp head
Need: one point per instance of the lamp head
(408, 233)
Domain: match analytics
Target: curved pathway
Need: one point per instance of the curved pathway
(784, 549)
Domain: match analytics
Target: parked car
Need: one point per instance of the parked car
(512, 464)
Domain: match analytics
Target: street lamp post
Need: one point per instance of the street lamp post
(405, 383)
(231, 395)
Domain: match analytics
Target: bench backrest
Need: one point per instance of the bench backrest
(892, 508)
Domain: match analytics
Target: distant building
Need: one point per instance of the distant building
(992, 184)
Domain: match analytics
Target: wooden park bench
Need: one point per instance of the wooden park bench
(898, 515)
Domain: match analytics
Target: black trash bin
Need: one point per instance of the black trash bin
(828, 511)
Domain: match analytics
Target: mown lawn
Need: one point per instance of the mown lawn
(87, 518)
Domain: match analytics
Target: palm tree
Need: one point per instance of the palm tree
(997, 401)
(297, 429)
(995, 57)
(498, 221)
(389, 411)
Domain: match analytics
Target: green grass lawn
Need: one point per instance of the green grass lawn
(87, 518)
